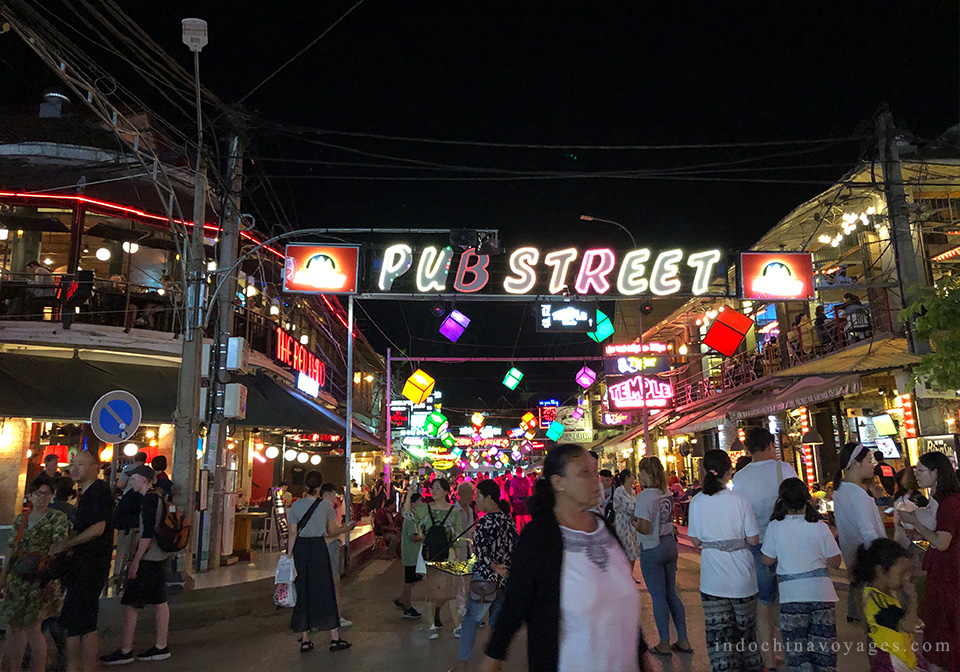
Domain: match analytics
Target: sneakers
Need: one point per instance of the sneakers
(118, 657)
(155, 653)
(344, 623)
(434, 631)
(457, 631)
(412, 613)
(398, 604)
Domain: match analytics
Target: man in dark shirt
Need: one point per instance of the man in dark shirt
(162, 482)
(89, 563)
(50, 473)
(887, 474)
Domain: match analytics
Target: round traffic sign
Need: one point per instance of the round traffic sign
(115, 416)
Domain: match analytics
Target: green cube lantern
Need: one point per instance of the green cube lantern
(555, 430)
(449, 441)
(435, 424)
(513, 378)
(604, 328)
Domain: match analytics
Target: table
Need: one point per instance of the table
(243, 523)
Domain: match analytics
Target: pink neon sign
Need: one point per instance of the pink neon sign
(635, 348)
(641, 391)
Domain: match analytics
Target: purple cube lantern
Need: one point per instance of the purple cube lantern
(454, 326)
(577, 413)
(586, 377)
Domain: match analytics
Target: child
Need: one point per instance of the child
(410, 540)
(804, 548)
(883, 570)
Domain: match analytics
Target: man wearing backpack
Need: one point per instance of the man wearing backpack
(146, 576)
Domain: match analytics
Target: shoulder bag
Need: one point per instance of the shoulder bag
(29, 566)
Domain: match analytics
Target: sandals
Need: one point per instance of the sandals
(679, 649)
(660, 652)
(339, 645)
(305, 646)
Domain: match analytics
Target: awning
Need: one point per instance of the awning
(810, 390)
(65, 389)
(882, 354)
(704, 418)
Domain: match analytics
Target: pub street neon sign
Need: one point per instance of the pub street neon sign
(312, 372)
(594, 272)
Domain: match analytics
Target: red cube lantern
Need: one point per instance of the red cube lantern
(727, 332)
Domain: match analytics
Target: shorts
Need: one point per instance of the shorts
(410, 574)
(150, 586)
(336, 564)
(84, 581)
(766, 577)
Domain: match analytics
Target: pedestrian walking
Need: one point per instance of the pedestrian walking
(442, 524)
(334, 528)
(29, 595)
(722, 524)
(857, 517)
(468, 516)
(88, 566)
(938, 610)
(803, 549)
(410, 544)
(759, 481)
(652, 519)
(569, 581)
(146, 576)
(884, 575)
(310, 520)
(518, 489)
(624, 504)
(494, 539)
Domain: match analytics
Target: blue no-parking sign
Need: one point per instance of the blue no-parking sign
(115, 416)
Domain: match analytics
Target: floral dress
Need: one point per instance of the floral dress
(624, 503)
(24, 602)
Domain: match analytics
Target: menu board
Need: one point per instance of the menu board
(280, 520)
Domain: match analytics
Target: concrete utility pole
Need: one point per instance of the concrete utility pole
(907, 251)
(187, 414)
(219, 377)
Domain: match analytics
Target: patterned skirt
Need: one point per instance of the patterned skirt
(809, 631)
(731, 629)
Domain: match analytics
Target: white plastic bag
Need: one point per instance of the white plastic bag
(286, 570)
(421, 563)
(285, 595)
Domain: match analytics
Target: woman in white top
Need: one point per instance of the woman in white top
(803, 548)
(857, 517)
(653, 521)
(723, 525)
(624, 502)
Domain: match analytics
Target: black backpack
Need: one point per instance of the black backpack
(608, 513)
(435, 543)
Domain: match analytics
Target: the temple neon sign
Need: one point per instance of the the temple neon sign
(641, 392)
(592, 272)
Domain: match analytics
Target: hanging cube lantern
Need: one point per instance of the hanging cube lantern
(477, 437)
(435, 424)
(448, 440)
(493, 452)
(727, 332)
(474, 464)
(530, 434)
(477, 419)
(418, 386)
(604, 328)
(515, 433)
(513, 378)
(586, 377)
(454, 326)
(526, 446)
(515, 455)
(456, 452)
(555, 430)
(577, 413)
(529, 422)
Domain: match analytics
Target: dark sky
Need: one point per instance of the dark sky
(598, 73)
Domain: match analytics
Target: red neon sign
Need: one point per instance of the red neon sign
(291, 353)
(640, 392)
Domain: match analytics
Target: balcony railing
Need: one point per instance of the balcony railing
(801, 344)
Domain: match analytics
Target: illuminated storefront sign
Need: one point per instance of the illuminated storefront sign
(635, 349)
(572, 317)
(321, 269)
(615, 419)
(548, 412)
(485, 432)
(292, 354)
(591, 272)
(777, 275)
(639, 392)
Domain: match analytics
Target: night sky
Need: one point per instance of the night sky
(558, 73)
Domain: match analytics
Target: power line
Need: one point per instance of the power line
(299, 53)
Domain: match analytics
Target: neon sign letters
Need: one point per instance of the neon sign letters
(598, 271)
(290, 353)
(639, 392)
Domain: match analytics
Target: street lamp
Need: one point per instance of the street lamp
(588, 218)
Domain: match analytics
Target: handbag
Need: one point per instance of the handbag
(484, 592)
(29, 566)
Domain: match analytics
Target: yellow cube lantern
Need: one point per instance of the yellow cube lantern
(529, 422)
(418, 387)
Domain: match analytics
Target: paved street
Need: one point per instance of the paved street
(384, 642)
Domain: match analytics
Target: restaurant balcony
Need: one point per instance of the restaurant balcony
(775, 353)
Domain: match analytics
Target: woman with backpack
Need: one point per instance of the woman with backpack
(310, 519)
(441, 522)
(570, 581)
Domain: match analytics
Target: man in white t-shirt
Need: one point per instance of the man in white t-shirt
(759, 482)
